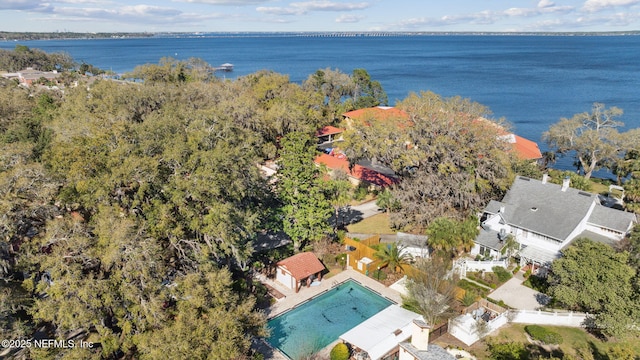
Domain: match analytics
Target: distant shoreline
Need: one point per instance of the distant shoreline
(29, 36)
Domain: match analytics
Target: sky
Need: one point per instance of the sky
(318, 15)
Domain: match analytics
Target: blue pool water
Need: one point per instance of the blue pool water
(317, 323)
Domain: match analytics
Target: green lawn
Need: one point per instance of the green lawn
(377, 224)
(576, 342)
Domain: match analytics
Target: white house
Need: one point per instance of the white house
(544, 218)
(394, 333)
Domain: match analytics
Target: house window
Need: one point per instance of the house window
(485, 251)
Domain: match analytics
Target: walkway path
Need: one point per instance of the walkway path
(518, 296)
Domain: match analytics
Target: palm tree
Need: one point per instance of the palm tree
(450, 236)
(394, 256)
(385, 200)
(510, 246)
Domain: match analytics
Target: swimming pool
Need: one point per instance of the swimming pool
(320, 321)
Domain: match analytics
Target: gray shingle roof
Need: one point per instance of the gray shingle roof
(545, 208)
(433, 352)
(493, 207)
(611, 218)
(489, 238)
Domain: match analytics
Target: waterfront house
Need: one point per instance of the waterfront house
(358, 173)
(29, 75)
(524, 148)
(334, 159)
(544, 218)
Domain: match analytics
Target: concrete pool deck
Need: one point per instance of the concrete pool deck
(293, 299)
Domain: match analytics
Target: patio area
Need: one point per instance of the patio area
(287, 299)
(518, 296)
(290, 299)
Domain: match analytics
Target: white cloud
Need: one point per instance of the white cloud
(596, 5)
(223, 2)
(344, 18)
(22, 4)
(545, 4)
(521, 12)
(301, 8)
(485, 17)
(278, 10)
(330, 6)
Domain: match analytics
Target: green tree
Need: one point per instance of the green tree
(334, 86)
(592, 137)
(338, 191)
(386, 201)
(207, 321)
(507, 350)
(305, 208)
(367, 93)
(450, 160)
(593, 277)
(394, 256)
(450, 236)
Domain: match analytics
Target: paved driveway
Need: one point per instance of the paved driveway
(518, 296)
(352, 214)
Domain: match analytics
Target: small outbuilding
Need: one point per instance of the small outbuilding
(299, 269)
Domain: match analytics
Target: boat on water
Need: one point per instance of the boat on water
(225, 67)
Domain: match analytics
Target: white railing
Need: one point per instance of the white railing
(485, 265)
(461, 266)
(464, 327)
(538, 317)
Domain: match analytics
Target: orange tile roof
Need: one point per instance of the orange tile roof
(302, 265)
(526, 148)
(329, 130)
(378, 112)
(359, 172)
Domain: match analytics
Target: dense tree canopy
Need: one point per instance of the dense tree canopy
(593, 138)
(130, 209)
(23, 57)
(593, 277)
(451, 160)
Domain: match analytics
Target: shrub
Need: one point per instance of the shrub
(502, 273)
(340, 352)
(468, 299)
(544, 335)
(515, 271)
(379, 275)
(360, 193)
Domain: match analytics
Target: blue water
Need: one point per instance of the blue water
(531, 81)
(319, 322)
